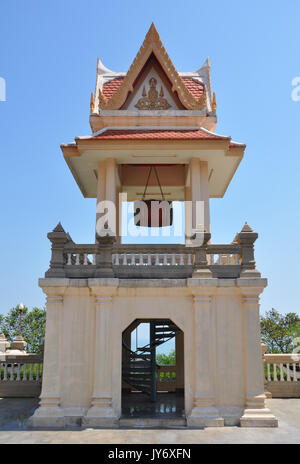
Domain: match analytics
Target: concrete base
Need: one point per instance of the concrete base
(205, 417)
(47, 417)
(258, 418)
(231, 415)
(152, 422)
(100, 417)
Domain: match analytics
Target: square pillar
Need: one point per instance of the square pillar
(195, 180)
(101, 413)
(204, 187)
(255, 414)
(50, 413)
(107, 189)
(204, 412)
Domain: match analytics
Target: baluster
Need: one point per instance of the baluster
(281, 373)
(12, 372)
(5, 372)
(165, 259)
(275, 372)
(24, 373)
(189, 259)
(294, 372)
(18, 378)
(69, 262)
(117, 259)
(212, 259)
(149, 259)
(220, 259)
(181, 262)
(30, 372)
(268, 372)
(173, 259)
(37, 372)
(125, 259)
(156, 259)
(85, 259)
(77, 261)
(288, 372)
(132, 258)
(236, 259)
(228, 256)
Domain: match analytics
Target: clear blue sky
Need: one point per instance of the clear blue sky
(48, 58)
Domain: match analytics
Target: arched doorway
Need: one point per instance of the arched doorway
(152, 373)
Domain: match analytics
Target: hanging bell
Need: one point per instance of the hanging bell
(153, 213)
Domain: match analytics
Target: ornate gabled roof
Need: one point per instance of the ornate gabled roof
(192, 90)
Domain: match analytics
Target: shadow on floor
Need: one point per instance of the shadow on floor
(15, 412)
(167, 405)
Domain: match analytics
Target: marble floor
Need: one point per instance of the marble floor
(14, 413)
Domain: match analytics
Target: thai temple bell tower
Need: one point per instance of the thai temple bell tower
(153, 140)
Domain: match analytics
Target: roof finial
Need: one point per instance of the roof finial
(214, 103)
(246, 228)
(92, 103)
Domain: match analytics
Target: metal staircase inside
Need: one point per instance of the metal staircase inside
(139, 367)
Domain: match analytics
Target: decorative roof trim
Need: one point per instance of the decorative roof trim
(152, 44)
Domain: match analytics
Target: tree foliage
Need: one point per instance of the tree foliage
(278, 331)
(33, 326)
(164, 358)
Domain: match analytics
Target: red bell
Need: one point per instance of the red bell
(154, 214)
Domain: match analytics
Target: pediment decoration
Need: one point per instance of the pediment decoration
(152, 44)
(153, 100)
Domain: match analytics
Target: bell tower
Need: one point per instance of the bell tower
(153, 116)
(153, 141)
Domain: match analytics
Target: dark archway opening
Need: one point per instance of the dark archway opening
(152, 385)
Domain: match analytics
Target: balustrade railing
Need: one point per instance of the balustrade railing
(21, 376)
(282, 375)
(166, 377)
(107, 258)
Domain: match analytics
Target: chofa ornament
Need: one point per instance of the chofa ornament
(153, 101)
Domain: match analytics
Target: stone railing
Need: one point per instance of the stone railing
(282, 375)
(21, 376)
(106, 258)
(166, 377)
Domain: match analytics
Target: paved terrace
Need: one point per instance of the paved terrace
(14, 413)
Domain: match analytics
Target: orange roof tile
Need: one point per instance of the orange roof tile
(157, 134)
(111, 87)
(196, 88)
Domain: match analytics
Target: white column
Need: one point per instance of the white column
(205, 193)
(255, 413)
(188, 214)
(50, 413)
(111, 187)
(195, 186)
(101, 412)
(204, 412)
(111, 180)
(101, 186)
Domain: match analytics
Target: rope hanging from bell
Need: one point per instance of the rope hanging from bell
(156, 214)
